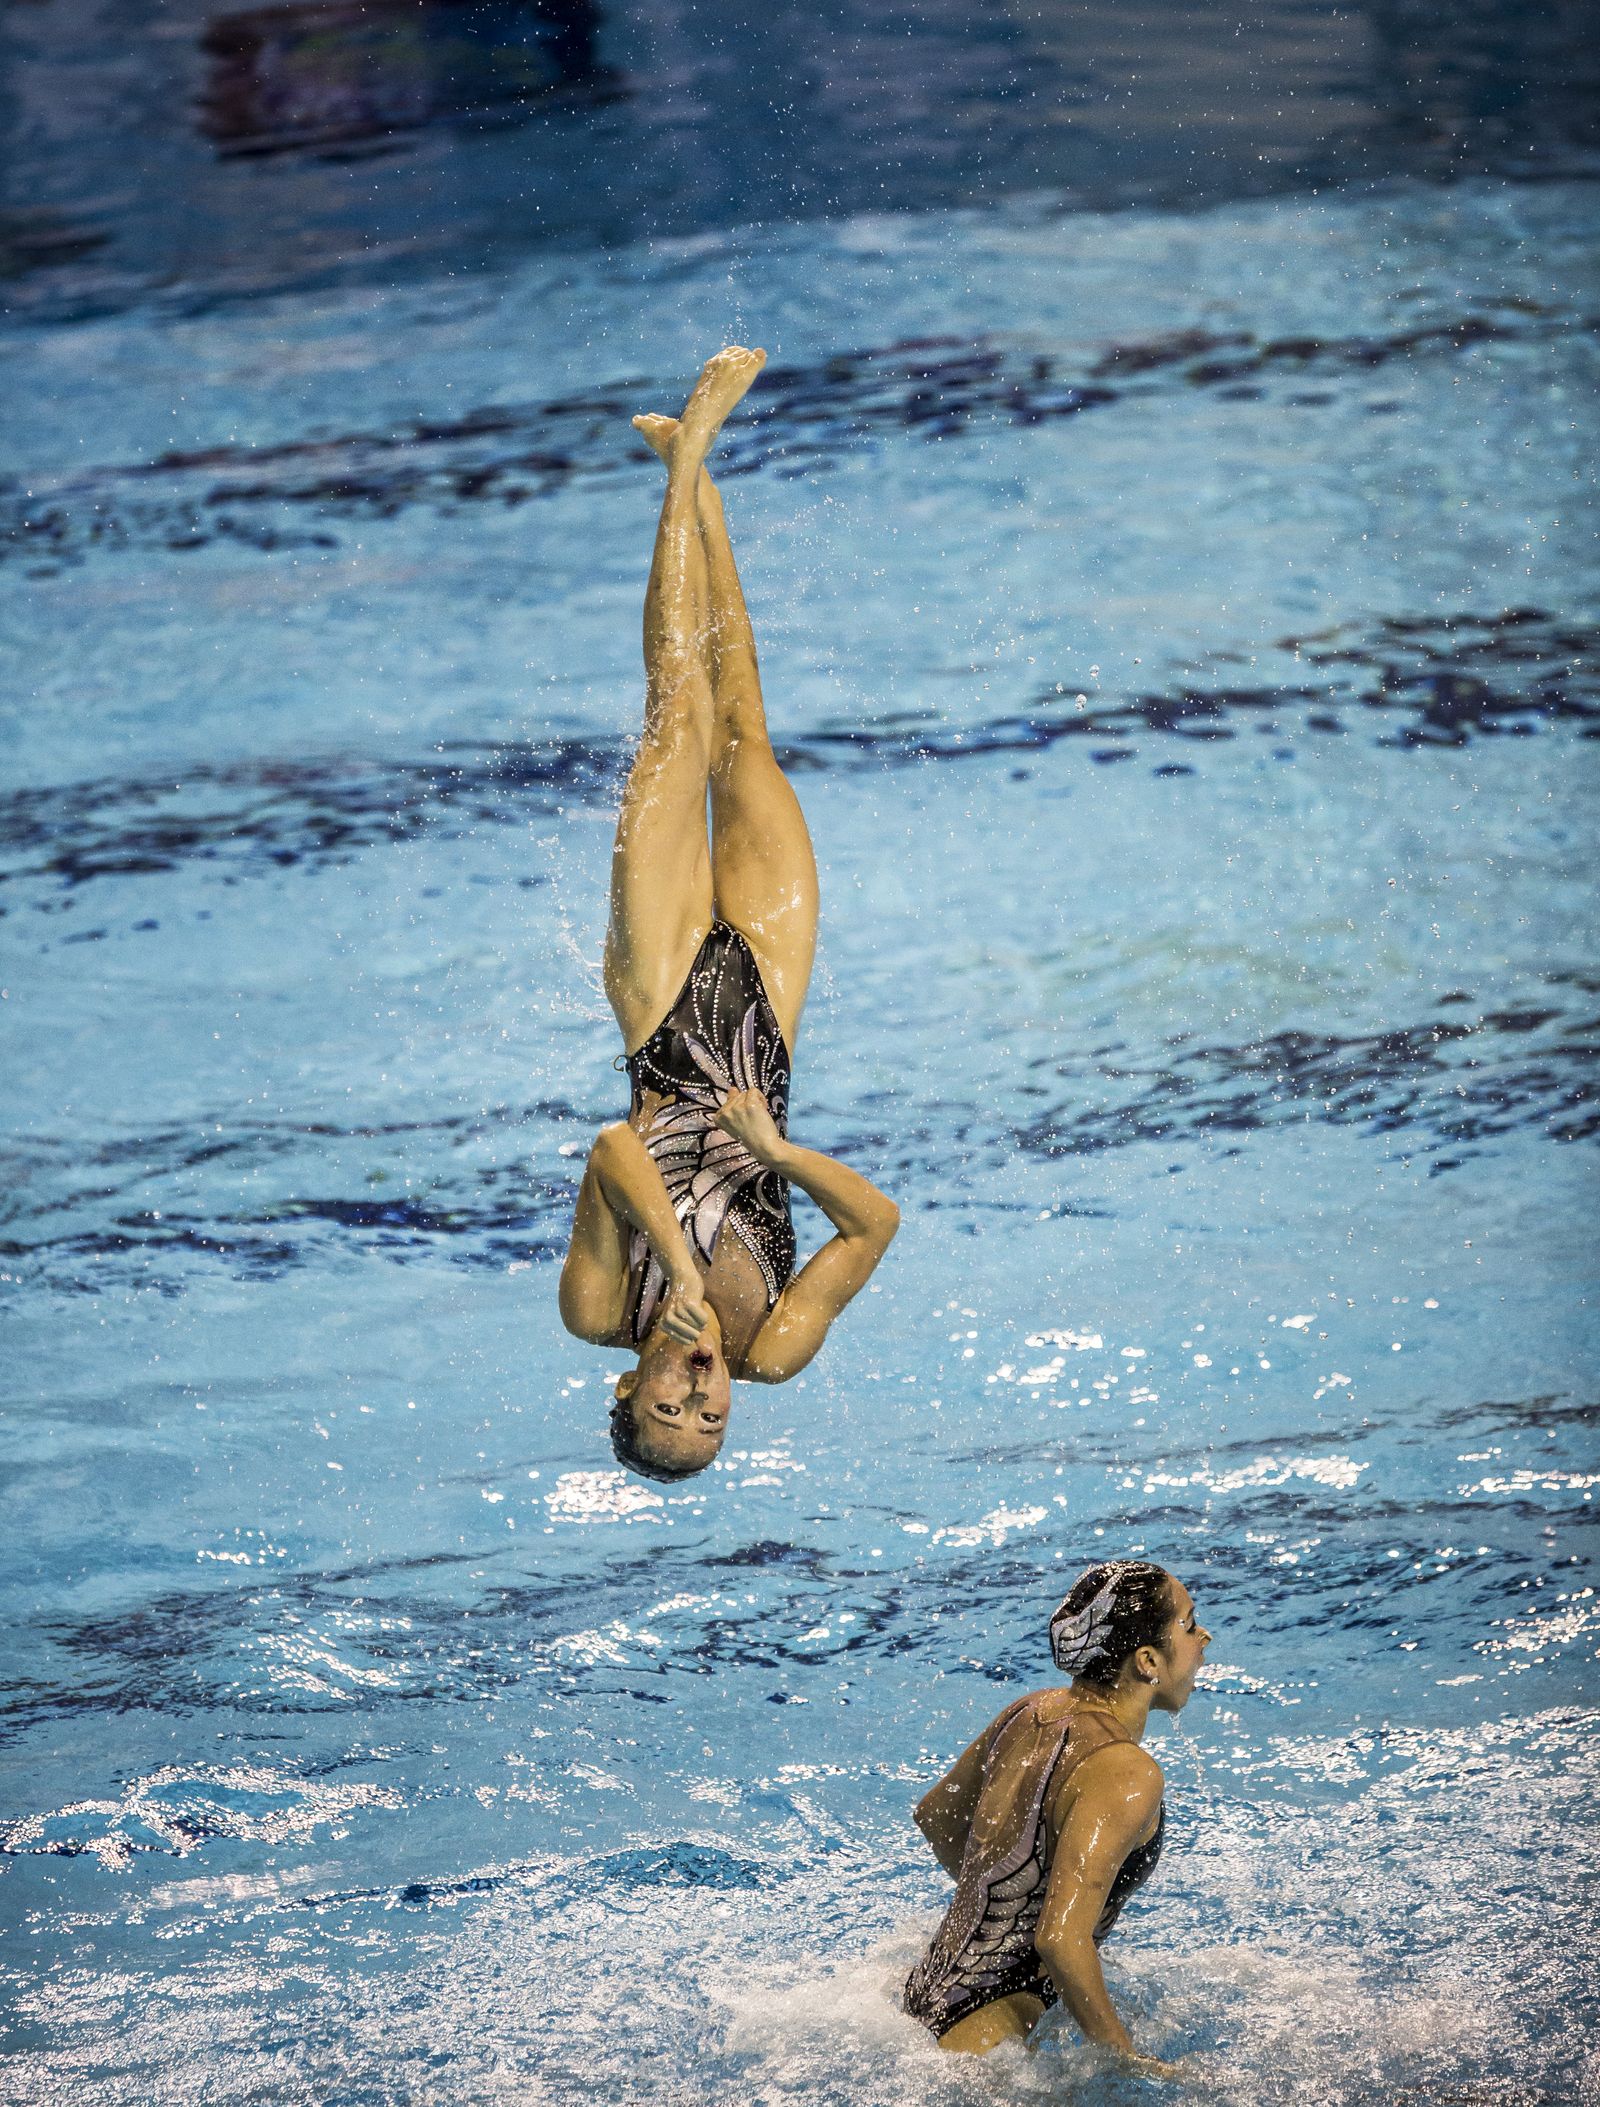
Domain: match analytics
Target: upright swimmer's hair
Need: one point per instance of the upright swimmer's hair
(1110, 1611)
(625, 1447)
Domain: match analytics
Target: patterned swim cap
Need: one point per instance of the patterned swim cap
(1109, 1612)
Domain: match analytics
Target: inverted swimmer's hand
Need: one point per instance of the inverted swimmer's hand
(687, 1313)
(746, 1115)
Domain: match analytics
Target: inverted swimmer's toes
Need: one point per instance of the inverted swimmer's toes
(723, 380)
(739, 363)
(656, 432)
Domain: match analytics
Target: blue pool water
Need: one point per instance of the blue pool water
(1174, 570)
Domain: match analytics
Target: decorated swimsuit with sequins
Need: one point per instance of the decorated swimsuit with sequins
(984, 1948)
(720, 1035)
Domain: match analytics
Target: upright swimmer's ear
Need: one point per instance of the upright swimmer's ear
(626, 1385)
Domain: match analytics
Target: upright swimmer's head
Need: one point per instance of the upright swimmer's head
(1130, 1622)
(671, 1412)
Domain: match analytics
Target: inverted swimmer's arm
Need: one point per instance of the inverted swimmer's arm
(622, 1190)
(865, 1219)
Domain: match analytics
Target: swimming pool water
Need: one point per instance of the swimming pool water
(1180, 626)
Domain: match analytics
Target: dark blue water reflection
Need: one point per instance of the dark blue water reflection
(1168, 516)
(187, 149)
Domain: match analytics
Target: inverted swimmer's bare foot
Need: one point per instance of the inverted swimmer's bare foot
(722, 383)
(657, 433)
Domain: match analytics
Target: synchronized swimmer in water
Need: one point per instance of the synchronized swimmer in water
(1052, 1818)
(682, 1244)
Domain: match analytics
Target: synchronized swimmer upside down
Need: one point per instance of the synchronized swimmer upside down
(682, 1245)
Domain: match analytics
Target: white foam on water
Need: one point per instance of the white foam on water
(1332, 1953)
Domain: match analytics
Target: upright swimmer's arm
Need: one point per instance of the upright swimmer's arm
(865, 1218)
(623, 1190)
(1114, 1808)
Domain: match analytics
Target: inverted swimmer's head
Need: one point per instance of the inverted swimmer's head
(671, 1412)
(1130, 1622)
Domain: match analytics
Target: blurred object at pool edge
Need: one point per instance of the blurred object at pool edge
(500, 129)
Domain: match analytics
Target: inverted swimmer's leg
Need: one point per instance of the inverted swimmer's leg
(661, 882)
(764, 874)
(763, 869)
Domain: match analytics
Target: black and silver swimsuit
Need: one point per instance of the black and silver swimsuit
(720, 1035)
(984, 1948)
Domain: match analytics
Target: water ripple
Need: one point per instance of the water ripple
(1416, 683)
(1312, 1546)
(295, 495)
(177, 1809)
(1454, 1082)
(1450, 1088)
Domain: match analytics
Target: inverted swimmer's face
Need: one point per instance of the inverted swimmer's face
(1181, 1654)
(679, 1398)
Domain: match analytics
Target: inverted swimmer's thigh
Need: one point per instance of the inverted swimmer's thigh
(764, 874)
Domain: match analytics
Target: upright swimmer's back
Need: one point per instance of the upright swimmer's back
(984, 1948)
